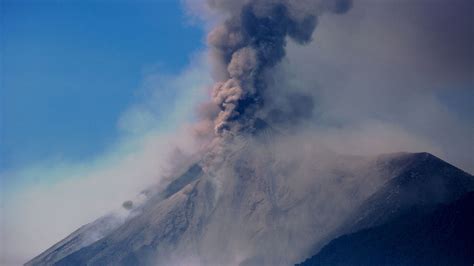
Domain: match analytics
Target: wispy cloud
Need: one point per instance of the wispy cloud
(61, 195)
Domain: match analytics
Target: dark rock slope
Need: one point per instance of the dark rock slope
(390, 223)
(442, 237)
(425, 182)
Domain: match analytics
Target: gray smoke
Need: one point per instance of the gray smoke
(248, 44)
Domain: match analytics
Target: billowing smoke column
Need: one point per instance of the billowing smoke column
(249, 43)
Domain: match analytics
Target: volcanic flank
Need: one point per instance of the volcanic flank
(259, 193)
(260, 208)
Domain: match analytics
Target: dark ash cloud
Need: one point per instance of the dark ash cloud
(248, 44)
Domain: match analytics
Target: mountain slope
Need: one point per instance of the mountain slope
(443, 237)
(260, 206)
(105, 225)
(425, 182)
(82, 237)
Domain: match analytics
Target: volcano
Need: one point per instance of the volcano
(257, 207)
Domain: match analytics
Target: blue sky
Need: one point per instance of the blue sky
(70, 68)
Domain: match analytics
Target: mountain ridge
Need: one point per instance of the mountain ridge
(254, 206)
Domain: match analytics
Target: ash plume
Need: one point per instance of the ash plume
(248, 44)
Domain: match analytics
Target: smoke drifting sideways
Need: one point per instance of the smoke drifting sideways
(395, 76)
(247, 45)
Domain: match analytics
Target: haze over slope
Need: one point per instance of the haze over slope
(261, 207)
